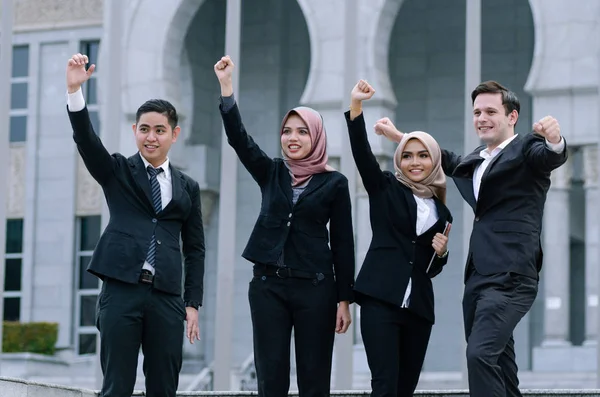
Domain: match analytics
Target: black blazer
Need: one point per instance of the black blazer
(508, 213)
(122, 248)
(396, 253)
(299, 230)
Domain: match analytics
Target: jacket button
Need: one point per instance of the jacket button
(290, 215)
(476, 219)
(154, 220)
(410, 263)
(413, 242)
(158, 242)
(288, 223)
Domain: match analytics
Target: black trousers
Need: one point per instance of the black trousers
(309, 307)
(492, 307)
(134, 315)
(395, 342)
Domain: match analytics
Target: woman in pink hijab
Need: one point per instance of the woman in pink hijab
(303, 272)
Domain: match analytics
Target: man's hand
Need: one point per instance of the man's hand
(440, 244)
(385, 127)
(76, 72)
(192, 329)
(549, 128)
(343, 317)
(223, 70)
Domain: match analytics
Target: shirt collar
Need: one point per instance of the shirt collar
(486, 154)
(164, 166)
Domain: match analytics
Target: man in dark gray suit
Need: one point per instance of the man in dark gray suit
(505, 181)
(152, 205)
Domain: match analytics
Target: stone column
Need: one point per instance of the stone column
(556, 245)
(590, 170)
(227, 222)
(5, 73)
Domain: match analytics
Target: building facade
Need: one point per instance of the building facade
(422, 56)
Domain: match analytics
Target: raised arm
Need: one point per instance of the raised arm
(96, 158)
(366, 163)
(257, 162)
(547, 149)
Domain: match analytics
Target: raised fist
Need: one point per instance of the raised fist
(362, 91)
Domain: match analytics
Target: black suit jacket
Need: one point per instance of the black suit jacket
(123, 246)
(396, 253)
(508, 212)
(300, 230)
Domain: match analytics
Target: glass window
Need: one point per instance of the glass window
(20, 61)
(12, 309)
(90, 232)
(18, 129)
(86, 279)
(12, 277)
(18, 96)
(14, 236)
(87, 343)
(91, 49)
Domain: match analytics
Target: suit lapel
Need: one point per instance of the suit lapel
(466, 168)
(412, 206)
(140, 175)
(315, 182)
(508, 149)
(176, 186)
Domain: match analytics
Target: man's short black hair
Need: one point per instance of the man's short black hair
(159, 106)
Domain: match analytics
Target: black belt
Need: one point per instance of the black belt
(146, 277)
(286, 272)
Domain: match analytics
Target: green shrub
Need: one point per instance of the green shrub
(29, 337)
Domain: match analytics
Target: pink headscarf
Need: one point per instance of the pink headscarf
(316, 161)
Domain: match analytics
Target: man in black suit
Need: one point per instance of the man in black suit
(505, 181)
(152, 205)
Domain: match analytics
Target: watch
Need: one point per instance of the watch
(194, 304)
(445, 254)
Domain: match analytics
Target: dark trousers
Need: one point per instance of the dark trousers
(395, 342)
(130, 315)
(492, 307)
(309, 307)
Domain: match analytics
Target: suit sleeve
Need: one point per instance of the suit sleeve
(96, 158)
(192, 236)
(342, 242)
(252, 157)
(539, 156)
(368, 167)
(450, 161)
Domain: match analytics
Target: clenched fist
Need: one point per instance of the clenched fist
(362, 91)
(385, 127)
(224, 70)
(549, 128)
(76, 72)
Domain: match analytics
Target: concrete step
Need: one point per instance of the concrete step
(10, 387)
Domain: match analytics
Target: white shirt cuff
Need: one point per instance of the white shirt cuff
(75, 101)
(556, 147)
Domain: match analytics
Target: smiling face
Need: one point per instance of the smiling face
(154, 137)
(492, 124)
(416, 162)
(296, 142)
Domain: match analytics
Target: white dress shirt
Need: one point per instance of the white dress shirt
(488, 157)
(75, 103)
(427, 216)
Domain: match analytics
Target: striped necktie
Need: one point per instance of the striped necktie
(157, 203)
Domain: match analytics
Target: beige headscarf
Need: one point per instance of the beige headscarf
(435, 183)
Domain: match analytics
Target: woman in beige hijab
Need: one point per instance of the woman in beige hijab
(409, 221)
